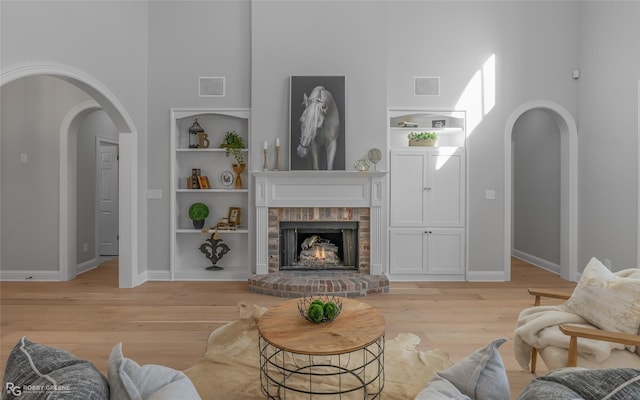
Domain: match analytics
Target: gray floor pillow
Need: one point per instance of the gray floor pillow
(585, 384)
(35, 371)
(479, 376)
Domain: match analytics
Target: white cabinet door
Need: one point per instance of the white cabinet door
(427, 188)
(445, 189)
(445, 251)
(407, 251)
(426, 251)
(408, 188)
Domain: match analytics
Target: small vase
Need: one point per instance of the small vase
(361, 165)
(238, 169)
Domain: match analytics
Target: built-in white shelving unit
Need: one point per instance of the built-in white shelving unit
(187, 261)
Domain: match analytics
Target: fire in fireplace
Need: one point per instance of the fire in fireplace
(319, 245)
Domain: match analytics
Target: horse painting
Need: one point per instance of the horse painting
(319, 126)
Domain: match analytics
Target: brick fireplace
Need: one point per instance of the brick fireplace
(320, 196)
(319, 245)
(331, 216)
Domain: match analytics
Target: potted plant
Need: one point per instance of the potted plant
(234, 145)
(422, 138)
(198, 212)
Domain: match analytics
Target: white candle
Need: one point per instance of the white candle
(278, 142)
(265, 145)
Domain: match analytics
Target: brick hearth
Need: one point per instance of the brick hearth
(301, 283)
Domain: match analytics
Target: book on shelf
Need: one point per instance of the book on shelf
(408, 124)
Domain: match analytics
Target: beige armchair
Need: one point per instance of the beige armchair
(596, 327)
(620, 358)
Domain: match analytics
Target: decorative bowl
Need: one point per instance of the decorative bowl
(331, 307)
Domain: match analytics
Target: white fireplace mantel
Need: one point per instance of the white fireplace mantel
(320, 189)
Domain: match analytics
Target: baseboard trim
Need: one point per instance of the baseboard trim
(425, 278)
(537, 261)
(157, 276)
(486, 276)
(35, 276)
(87, 266)
(472, 276)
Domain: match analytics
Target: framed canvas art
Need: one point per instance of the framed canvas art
(317, 123)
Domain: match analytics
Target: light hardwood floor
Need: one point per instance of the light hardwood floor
(168, 323)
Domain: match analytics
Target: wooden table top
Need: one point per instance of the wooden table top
(357, 326)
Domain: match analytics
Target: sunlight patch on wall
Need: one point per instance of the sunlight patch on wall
(479, 96)
(471, 101)
(489, 84)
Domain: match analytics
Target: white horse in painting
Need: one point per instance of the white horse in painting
(319, 126)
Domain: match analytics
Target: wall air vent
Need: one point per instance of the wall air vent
(211, 86)
(426, 85)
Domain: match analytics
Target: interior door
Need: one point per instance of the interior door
(108, 199)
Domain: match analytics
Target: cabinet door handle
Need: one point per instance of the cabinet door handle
(427, 189)
(428, 232)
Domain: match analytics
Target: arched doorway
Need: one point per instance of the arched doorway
(128, 165)
(568, 192)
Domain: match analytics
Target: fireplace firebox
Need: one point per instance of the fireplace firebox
(319, 245)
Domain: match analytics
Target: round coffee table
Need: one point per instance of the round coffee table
(300, 359)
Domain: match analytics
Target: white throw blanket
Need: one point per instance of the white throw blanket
(539, 327)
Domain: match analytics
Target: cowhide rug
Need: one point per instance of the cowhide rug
(229, 369)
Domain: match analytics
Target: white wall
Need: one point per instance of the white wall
(456, 41)
(32, 110)
(319, 38)
(188, 40)
(608, 132)
(105, 40)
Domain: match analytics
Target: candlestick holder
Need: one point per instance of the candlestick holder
(277, 165)
(264, 164)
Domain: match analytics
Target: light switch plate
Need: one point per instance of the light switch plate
(490, 194)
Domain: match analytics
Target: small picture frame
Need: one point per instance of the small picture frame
(438, 123)
(203, 182)
(234, 216)
(227, 178)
